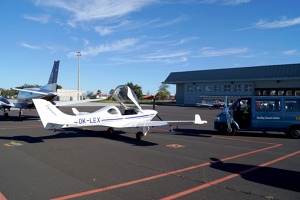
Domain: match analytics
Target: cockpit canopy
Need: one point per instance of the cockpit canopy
(125, 95)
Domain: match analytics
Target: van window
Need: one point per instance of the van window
(268, 105)
(292, 105)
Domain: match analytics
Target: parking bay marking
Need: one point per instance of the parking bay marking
(172, 172)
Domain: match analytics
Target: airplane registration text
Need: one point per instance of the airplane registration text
(92, 120)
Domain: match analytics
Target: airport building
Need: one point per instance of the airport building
(194, 86)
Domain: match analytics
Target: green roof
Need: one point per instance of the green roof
(270, 72)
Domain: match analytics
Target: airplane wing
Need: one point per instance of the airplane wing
(66, 103)
(164, 123)
(32, 91)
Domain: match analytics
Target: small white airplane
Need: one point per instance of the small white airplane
(211, 104)
(108, 116)
(47, 92)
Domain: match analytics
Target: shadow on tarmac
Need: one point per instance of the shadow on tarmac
(20, 119)
(280, 178)
(210, 133)
(78, 133)
(194, 132)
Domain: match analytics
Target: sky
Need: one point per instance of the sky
(141, 41)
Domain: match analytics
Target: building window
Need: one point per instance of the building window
(217, 88)
(227, 88)
(280, 92)
(198, 88)
(248, 88)
(289, 92)
(237, 88)
(207, 88)
(273, 93)
(257, 93)
(190, 88)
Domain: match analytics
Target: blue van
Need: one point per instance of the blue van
(261, 113)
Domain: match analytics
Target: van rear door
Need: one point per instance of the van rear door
(292, 112)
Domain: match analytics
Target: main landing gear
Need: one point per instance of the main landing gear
(142, 133)
(5, 114)
(138, 135)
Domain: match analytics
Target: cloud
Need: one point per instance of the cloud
(170, 22)
(41, 18)
(114, 46)
(104, 30)
(159, 54)
(29, 46)
(225, 2)
(96, 9)
(185, 40)
(282, 23)
(291, 52)
(211, 52)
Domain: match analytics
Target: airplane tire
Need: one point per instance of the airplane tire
(139, 135)
(110, 131)
(6, 116)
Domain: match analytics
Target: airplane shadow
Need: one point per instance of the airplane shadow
(193, 132)
(280, 178)
(81, 133)
(210, 133)
(19, 119)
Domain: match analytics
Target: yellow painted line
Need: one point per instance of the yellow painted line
(11, 144)
(175, 146)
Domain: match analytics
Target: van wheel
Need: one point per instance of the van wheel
(295, 132)
(231, 131)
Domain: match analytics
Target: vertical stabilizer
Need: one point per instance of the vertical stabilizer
(52, 83)
(51, 117)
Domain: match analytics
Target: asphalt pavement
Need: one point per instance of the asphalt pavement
(192, 162)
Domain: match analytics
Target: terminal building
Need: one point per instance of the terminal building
(194, 86)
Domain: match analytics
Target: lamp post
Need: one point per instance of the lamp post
(78, 84)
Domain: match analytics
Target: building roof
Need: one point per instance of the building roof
(270, 72)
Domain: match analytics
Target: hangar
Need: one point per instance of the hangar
(193, 86)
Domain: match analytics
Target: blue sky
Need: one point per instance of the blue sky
(141, 41)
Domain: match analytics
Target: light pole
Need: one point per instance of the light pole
(78, 84)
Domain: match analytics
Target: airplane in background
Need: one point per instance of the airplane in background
(47, 92)
(211, 104)
(109, 116)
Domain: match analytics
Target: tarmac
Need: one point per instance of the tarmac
(192, 162)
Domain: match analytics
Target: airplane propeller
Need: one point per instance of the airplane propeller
(232, 126)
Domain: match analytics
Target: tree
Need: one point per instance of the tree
(89, 94)
(163, 92)
(136, 89)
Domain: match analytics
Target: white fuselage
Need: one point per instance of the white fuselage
(110, 116)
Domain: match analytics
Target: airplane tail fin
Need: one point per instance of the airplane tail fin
(198, 120)
(51, 116)
(52, 83)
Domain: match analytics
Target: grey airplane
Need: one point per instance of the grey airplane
(25, 95)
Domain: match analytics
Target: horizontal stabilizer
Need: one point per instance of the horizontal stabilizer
(198, 120)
